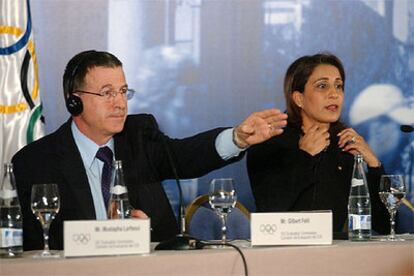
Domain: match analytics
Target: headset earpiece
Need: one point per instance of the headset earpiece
(74, 105)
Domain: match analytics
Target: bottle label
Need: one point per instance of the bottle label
(8, 194)
(11, 237)
(359, 222)
(119, 190)
(355, 182)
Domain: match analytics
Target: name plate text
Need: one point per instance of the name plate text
(106, 237)
(291, 228)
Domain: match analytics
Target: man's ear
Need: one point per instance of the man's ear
(298, 98)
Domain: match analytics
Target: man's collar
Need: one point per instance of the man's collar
(86, 146)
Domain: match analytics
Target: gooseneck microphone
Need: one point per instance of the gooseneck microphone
(406, 128)
(182, 241)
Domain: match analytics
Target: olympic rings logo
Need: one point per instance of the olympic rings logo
(268, 229)
(81, 238)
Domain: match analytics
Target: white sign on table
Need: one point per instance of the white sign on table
(291, 228)
(106, 237)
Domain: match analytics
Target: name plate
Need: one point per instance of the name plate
(291, 228)
(106, 237)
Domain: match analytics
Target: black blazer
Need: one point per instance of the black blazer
(55, 158)
(285, 178)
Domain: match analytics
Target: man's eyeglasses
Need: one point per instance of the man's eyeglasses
(109, 94)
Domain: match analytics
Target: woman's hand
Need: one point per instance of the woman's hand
(351, 141)
(315, 139)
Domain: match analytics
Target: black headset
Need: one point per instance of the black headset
(74, 103)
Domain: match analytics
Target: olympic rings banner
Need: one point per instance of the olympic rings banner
(20, 105)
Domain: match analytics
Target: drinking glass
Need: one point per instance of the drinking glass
(222, 198)
(392, 191)
(45, 204)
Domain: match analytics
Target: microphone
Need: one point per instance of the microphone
(406, 128)
(182, 241)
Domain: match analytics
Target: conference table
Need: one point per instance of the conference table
(341, 258)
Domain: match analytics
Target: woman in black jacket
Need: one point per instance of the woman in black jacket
(309, 166)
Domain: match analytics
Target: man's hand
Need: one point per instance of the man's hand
(135, 213)
(259, 127)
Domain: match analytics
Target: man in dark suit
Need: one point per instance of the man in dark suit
(96, 95)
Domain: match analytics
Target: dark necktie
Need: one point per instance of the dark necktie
(105, 155)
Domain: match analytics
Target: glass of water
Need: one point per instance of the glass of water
(392, 191)
(222, 198)
(45, 204)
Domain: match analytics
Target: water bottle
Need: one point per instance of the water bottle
(11, 232)
(118, 206)
(359, 204)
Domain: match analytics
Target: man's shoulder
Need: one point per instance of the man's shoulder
(141, 121)
(47, 144)
(142, 118)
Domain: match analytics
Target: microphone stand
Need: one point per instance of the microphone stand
(181, 241)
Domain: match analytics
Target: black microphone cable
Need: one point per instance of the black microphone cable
(181, 241)
(207, 243)
(154, 135)
(181, 210)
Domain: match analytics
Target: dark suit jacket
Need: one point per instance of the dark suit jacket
(56, 159)
(285, 178)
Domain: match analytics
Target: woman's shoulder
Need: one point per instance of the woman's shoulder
(287, 140)
(289, 137)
